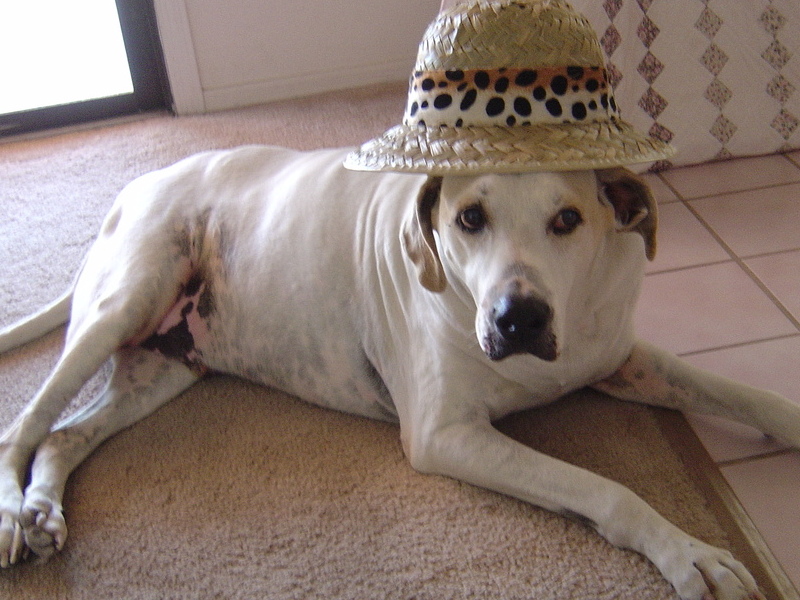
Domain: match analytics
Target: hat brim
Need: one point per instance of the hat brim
(517, 149)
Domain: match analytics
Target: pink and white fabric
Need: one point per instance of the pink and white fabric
(717, 78)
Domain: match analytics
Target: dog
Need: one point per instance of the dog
(439, 303)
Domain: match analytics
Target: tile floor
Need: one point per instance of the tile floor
(724, 293)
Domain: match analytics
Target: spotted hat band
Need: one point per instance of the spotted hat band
(513, 96)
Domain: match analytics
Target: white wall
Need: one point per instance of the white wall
(226, 53)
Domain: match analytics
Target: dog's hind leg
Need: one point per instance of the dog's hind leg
(95, 334)
(141, 382)
(131, 277)
(88, 346)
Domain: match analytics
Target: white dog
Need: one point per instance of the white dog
(438, 303)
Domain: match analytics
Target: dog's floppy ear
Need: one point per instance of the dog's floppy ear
(418, 241)
(635, 209)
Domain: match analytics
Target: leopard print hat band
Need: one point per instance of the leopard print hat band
(508, 86)
(510, 97)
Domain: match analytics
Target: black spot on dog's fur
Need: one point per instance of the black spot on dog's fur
(176, 342)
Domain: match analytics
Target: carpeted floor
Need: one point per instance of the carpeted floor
(235, 491)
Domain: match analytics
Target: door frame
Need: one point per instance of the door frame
(148, 73)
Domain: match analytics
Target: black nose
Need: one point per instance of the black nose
(523, 324)
(520, 318)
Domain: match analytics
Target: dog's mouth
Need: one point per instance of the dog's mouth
(497, 348)
(517, 324)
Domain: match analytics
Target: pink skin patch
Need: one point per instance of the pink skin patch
(185, 327)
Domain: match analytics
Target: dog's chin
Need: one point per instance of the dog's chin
(497, 348)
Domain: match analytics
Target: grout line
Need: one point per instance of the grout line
(742, 265)
(662, 175)
(742, 191)
(748, 541)
(736, 258)
(739, 344)
(786, 312)
(712, 263)
(665, 181)
(791, 160)
(771, 253)
(733, 462)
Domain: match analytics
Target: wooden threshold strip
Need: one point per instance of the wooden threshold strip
(749, 546)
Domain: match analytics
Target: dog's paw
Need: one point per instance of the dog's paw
(12, 545)
(43, 525)
(702, 572)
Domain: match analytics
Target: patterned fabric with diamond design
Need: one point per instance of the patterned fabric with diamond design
(717, 78)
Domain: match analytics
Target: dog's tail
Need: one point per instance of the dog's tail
(36, 325)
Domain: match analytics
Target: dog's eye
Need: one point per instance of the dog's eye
(472, 219)
(566, 221)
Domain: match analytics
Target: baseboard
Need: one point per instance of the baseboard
(750, 546)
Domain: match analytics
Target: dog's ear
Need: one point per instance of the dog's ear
(418, 241)
(635, 209)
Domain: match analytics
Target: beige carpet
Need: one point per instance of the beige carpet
(235, 491)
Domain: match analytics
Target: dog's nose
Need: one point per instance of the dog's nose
(523, 323)
(520, 318)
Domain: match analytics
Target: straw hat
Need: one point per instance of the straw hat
(508, 86)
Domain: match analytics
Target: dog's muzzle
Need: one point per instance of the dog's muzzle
(520, 324)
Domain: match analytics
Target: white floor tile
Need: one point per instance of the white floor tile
(683, 241)
(707, 307)
(727, 440)
(732, 176)
(756, 221)
(769, 489)
(661, 191)
(688, 309)
(781, 274)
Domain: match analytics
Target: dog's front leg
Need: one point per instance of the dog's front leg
(467, 447)
(654, 376)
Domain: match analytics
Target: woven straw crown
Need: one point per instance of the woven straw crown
(509, 34)
(508, 86)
